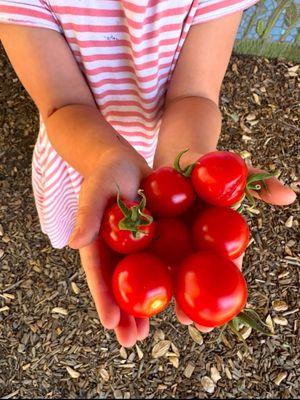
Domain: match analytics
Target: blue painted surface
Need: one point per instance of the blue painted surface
(264, 11)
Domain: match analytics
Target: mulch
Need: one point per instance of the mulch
(51, 342)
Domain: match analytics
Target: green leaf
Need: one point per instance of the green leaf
(260, 27)
(250, 318)
(259, 177)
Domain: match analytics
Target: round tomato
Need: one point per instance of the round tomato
(222, 230)
(142, 285)
(168, 192)
(210, 289)
(172, 241)
(129, 233)
(220, 178)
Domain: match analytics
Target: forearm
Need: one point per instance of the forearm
(82, 137)
(189, 123)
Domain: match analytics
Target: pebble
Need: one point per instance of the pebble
(279, 305)
(280, 321)
(208, 384)
(280, 377)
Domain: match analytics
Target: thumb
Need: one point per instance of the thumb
(92, 202)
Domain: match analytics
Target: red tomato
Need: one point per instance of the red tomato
(192, 213)
(220, 178)
(168, 192)
(210, 289)
(172, 241)
(142, 285)
(222, 230)
(121, 240)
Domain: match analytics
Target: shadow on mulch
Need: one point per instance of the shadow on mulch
(259, 104)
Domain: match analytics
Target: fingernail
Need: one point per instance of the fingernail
(74, 234)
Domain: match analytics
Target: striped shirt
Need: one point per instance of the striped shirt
(127, 50)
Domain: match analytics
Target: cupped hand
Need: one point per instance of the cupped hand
(125, 170)
(277, 194)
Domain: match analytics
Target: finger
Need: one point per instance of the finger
(97, 265)
(277, 193)
(92, 202)
(203, 329)
(143, 328)
(126, 331)
(181, 316)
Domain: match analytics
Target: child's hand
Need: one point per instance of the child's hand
(126, 170)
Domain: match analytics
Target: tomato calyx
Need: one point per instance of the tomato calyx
(134, 217)
(186, 172)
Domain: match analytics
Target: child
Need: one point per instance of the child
(121, 86)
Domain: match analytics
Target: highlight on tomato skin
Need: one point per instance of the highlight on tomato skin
(210, 289)
(142, 285)
(222, 230)
(168, 193)
(220, 178)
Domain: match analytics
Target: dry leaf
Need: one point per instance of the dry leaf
(215, 375)
(158, 336)
(208, 384)
(175, 349)
(161, 348)
(195, 334)
(189, 369)
(104, 374)
(279, 305)
(289, 222)
(139, 352)
(280, 377)
(174, 361)
(269, 322)
(75, 288)
(73, 374)
(280, 321)
(59, 310)
(123, 353)
(256, 98)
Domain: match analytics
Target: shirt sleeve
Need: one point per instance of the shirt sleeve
(212, 9)
(35, 13)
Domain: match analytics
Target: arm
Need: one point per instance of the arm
(55, 83)
(79, 133)
(192, 118)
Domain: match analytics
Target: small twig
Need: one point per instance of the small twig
(13, 286)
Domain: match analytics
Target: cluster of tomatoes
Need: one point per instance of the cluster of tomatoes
(185, 241)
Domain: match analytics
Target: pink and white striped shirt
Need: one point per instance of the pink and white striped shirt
(127, 50)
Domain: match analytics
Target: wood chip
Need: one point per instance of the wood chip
(280, 321)
(139, 352)
(158, 336)
(73, 374)
(195, 334)
(280, 377)
(75, 288)
(118, 394)
(161, 348)
(123, 353)
(245, 332)
(175, 349)
(208, 384)
(60, 310)
(294, 68)
(228, 373)
(1, 230)
(104, 374)
(5, 308)
(189, 369)
(289, 222)
(1, 253)
(279, 305)
(215, 375)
